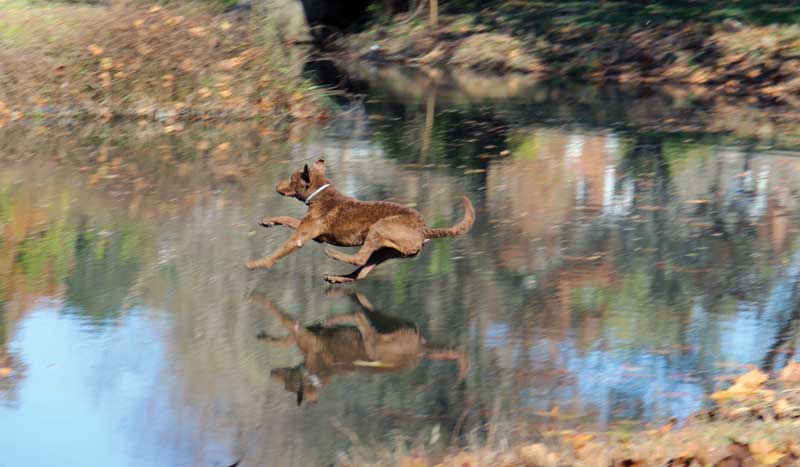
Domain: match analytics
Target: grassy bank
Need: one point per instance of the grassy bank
(146, 61)
(754, 422)
(742, 51)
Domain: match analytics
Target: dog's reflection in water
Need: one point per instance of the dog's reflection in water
(363, 341)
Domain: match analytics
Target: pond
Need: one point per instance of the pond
(630, 255)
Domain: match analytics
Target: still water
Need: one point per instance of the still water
(628, 257)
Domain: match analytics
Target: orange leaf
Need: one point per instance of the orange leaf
(744, 386)
(790, 373)
(95, 49)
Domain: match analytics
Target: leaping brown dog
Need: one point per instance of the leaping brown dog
(384, 230)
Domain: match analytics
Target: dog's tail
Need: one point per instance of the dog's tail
(460, 228)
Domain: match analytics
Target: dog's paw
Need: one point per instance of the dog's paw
(267, 223)
(331, 279)
(262, 335)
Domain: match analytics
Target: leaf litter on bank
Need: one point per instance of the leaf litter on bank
(135, 60)
(728, 439)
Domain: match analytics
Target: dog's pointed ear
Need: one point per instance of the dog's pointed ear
(319, 166)
(300, 395)
(306, 174)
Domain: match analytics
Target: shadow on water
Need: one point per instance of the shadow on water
(630, 253)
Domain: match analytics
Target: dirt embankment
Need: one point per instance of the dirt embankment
(758, 63)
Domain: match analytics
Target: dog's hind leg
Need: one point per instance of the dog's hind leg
(377, 258)
(284, 341)
(392, 233)
(358, 274)
(359, 259)
(282, 220)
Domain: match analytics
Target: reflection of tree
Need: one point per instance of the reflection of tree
(430, 111)
(106, 266)
(786, 333)
(35, 255)
(442, 137)
(13, 370)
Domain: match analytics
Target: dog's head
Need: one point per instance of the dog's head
(304, 182)
(306, 387)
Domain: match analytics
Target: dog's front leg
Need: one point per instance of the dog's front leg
(295, 242)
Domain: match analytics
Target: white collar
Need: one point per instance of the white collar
(316, 192)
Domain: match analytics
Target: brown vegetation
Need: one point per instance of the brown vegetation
(760, 63)
(145, 61)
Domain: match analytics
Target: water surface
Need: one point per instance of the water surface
(626, 260)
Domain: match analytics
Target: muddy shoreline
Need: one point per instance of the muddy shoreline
(757, 65)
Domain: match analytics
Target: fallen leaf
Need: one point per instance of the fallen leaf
(580, 440)
(174, 20)
(682, 461)
(744, 385)
(752, 379)
(729, 461)
(790, 373)
(630, 463)
(5, 372)
(413, 461)
(764, 452)
(666, 428)
(535, 455)
(176, 127)
(95, 49)
(782, 407)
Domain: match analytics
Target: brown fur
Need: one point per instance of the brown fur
(351, 343)
(384, 230)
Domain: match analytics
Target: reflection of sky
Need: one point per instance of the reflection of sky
(620, 382)
(84, 393)
(747, 337)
